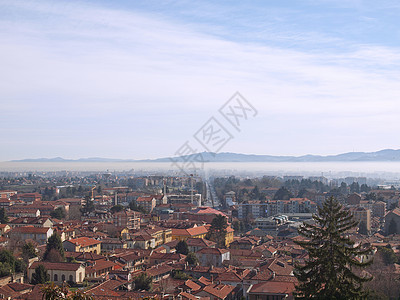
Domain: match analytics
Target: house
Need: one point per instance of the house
(232, 277)
(5, 203)
(212, 256)
(147, 202)
(197, 232)
(217, 292)
(127, 218)
(142, 241)
(23, 211)
(160, 235)
(205, 214)
(132, 259)
(195, 244)
(6, 194)
(100, 268)
(112, 244)
(271, 290)
(244, 243)
(159, 272)
(38, 234)
(4, 228)
(14, 290)
(362, 215)
(83, 244)
(157, 258)
(32, 221)
(392, 221)
(29, 197)
(354, 199)
(61, 272)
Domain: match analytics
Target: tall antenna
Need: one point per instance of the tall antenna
(191, 188)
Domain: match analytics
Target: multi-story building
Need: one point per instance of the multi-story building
(6, 194)
(127, 218)
(257, 209)
(35, 222)
(147, 202)
(362, 214)
(252, 209)
(29, 197)
(83, 244)
(212, 256)
(38, 234)
(379, 209)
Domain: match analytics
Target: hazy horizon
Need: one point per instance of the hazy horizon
(383, 170)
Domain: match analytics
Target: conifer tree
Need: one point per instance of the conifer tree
(328, 273)
(54, 245)
(217, 231)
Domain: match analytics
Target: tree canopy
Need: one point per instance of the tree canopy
(328, 272)
(28, 250)
(182, 248)
(3, 216)
(192, 259)
(283, 194)
(143, 282)
(58, 213)
(54, 246)
(217, 232)
(116, 208)
(40, 276)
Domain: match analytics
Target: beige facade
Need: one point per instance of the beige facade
(60, 272)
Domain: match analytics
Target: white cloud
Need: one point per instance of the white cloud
(111, 72)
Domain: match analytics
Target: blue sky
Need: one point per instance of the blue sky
(136, 79)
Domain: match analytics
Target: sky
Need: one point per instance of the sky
(137, 79)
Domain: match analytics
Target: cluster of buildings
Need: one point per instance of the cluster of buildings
(106, 249)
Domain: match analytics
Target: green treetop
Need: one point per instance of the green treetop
(328, 272)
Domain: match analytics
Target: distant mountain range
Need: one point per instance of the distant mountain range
(383, 155)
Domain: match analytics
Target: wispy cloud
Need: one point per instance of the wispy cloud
(76, 73)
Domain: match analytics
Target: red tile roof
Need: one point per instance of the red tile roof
(84, 241)
(57, 266)
(273, 287)
(30, 229)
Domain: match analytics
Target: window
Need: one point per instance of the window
(71, 278)
(80, 277)
(62, 277)
(55, 277)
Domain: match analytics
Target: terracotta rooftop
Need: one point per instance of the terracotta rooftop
(273, 287)
(57, 266)
(84, 241)
(31, 229)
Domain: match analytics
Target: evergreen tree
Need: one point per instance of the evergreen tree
(88, 207)
(40, 276)
(54, 243)
(217, 232)
(182, 248)
(143, 282)
(116, 208)
(58, 213)
(3, 216)
(192, 259)
(28, 251)
(328, 272)
(283, 194)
